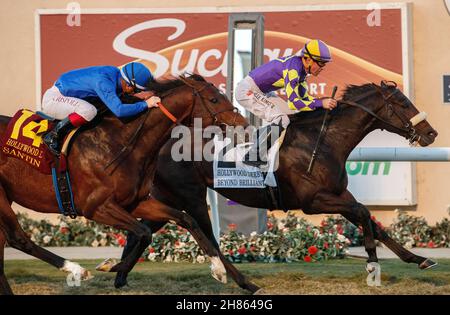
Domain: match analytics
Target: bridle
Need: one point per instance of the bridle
(407, 125)
(197, 94)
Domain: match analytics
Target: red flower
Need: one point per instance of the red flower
(340, 230)
(177, 243)
(323, 223)
(151, 250)
(231, 252)
(325, 245)
(232, 227)
(430, 244)
(312, 250)
(64, 230)
(162, 231)
(252, 248)
(141, 259)
(242, 250)
(373, 217)
(269, 225)
(307, 259)
(121, 241)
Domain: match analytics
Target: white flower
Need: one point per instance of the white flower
(316, 232)
(47, 239)
(168, 258)
(341, 238)
(103, 242)
(180, 245)
(253, 234)
(152, 256)
(201, 259)
(95, 243)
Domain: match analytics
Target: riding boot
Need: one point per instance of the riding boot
(262, 144)
(54, 138)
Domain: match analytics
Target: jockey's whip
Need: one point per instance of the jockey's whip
(324, 125)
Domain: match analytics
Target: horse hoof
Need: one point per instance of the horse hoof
(121, 281)
(427, 264)
(374, 277)
(372, 266)
(218, 270)
(260, 292)
(106, 265)
(86, 275)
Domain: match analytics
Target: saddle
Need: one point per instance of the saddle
(23, 140)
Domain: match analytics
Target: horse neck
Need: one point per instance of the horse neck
(352, 125)
(158, 125)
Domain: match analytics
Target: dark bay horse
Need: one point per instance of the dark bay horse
(107, 184)
(182, 185)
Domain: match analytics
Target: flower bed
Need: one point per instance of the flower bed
(288, 239)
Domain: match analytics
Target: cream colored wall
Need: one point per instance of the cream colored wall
(431, 26)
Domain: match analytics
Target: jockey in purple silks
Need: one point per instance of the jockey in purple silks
(254, 92)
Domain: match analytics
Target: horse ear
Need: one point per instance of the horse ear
(383, 84)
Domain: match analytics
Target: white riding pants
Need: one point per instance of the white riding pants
(59, 106)
(272, 109)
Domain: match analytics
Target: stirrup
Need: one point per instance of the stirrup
(51, 141)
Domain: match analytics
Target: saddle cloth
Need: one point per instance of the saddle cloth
(230, 171)
(23, 140)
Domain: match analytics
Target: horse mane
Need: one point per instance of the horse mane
(315, 117)
(161, 86)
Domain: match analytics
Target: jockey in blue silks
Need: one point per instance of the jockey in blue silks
(254, 92)
(66, 99)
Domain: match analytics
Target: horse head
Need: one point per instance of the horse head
(212, 106)
(403, 117)
(390, 109)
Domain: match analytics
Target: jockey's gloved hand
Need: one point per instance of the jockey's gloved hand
(153, 101)
(329, 103)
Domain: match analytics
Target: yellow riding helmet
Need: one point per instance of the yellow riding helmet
(317, 50)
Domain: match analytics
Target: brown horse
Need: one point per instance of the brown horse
(107, 185)
(182, 185)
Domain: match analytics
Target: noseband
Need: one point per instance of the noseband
(407, 125)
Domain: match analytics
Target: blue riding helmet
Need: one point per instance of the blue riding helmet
(136, 75)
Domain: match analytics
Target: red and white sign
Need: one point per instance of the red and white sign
(368, 44)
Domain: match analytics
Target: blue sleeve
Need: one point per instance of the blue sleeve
(107, 92)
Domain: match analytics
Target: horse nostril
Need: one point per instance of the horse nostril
(432, 133)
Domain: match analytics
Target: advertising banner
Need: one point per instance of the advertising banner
(368, 44)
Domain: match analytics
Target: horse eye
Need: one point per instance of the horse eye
(213, 100)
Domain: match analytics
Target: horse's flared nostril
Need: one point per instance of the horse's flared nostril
(433, 134)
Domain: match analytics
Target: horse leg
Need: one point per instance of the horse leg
(383, 237)
(17, 238)
(132, 242)
(155, 210)
(110, 213)
(5, 289)
(329, 203)
(200, 213)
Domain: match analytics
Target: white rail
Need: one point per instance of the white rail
(400, 154)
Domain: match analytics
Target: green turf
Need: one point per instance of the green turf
(346, 276)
